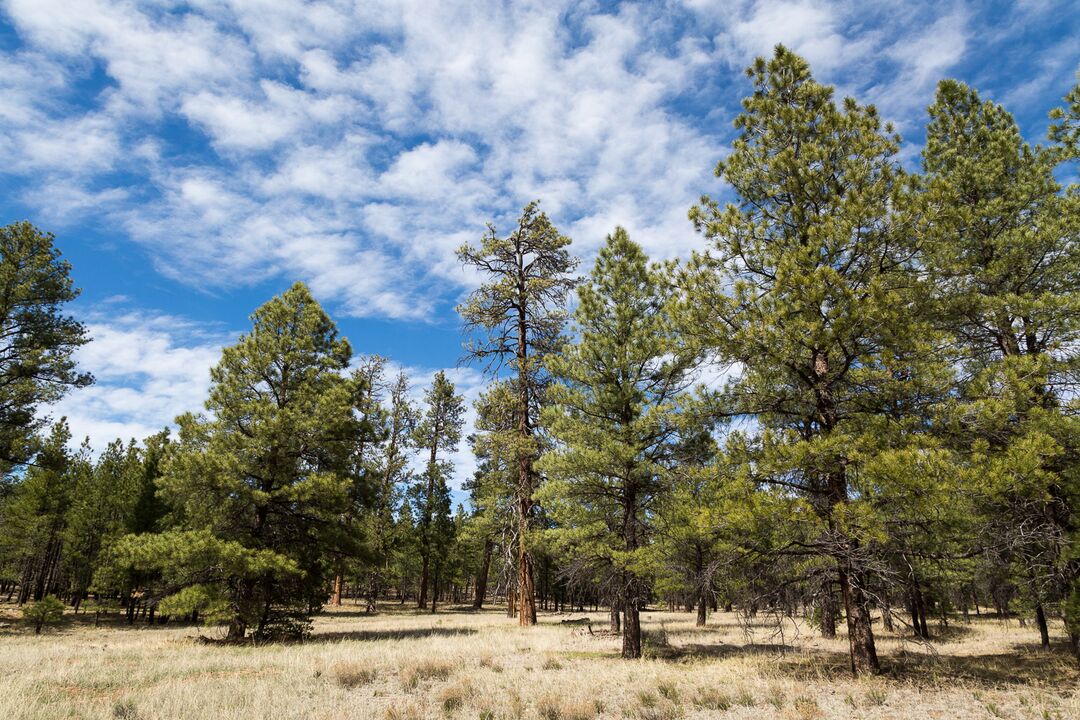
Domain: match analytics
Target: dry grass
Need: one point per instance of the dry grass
(403, 666)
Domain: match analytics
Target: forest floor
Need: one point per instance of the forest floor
(399, 665)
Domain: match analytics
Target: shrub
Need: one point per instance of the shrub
(47, 611)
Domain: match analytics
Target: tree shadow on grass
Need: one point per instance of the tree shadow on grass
(1026, 666)
(369, 635)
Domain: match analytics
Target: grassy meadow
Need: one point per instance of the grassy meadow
(399, 665)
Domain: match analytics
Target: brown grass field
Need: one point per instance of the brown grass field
(399, 665)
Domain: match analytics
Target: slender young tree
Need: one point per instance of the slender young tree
(438, 433)
(516, 320)
(614, 417)
(806, 286)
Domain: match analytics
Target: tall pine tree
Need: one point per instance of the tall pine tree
(516, 320)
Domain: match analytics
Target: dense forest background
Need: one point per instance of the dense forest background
(897, 438)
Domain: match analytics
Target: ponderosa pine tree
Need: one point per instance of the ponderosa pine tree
(260, 484)
(518, 315)
(614, 418)
(36, 339)
(438, 434)
(806, 287)
(1001, 250)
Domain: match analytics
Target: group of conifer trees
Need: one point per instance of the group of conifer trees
(858, 402)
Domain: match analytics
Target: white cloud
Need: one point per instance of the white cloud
(355, 145)
(149, 368)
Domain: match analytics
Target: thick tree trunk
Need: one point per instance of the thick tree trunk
(482, 575)
(860, 632)
(615, 625)
(702, 608)
(1044, 631)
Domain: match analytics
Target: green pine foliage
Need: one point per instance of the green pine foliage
(36, 339)
(614, 418)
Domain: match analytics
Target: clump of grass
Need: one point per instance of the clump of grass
(489, 662)
(452, 697)
(709, 698)
(126, 710)
(876, 696)
(669, 690)
(807, 708)
(406, 711)
(745, 697)
(647, 699)
(994, 710)
(354, 675)
(551, 664)
(412, 675)
(663, 711)
(553, 707)
(774, 696)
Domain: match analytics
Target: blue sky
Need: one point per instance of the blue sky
(195, 158)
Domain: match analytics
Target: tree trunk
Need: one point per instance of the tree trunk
(482, 575)
(615, 626)
(526, 592)
(526, 589)
(828, 610)
(631, 646)
(860, 632)
(335, 598)
(1044, 631)
(237, 629)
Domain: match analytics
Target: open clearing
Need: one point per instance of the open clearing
(401, 665)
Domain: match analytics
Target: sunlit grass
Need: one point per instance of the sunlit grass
(400, 664)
